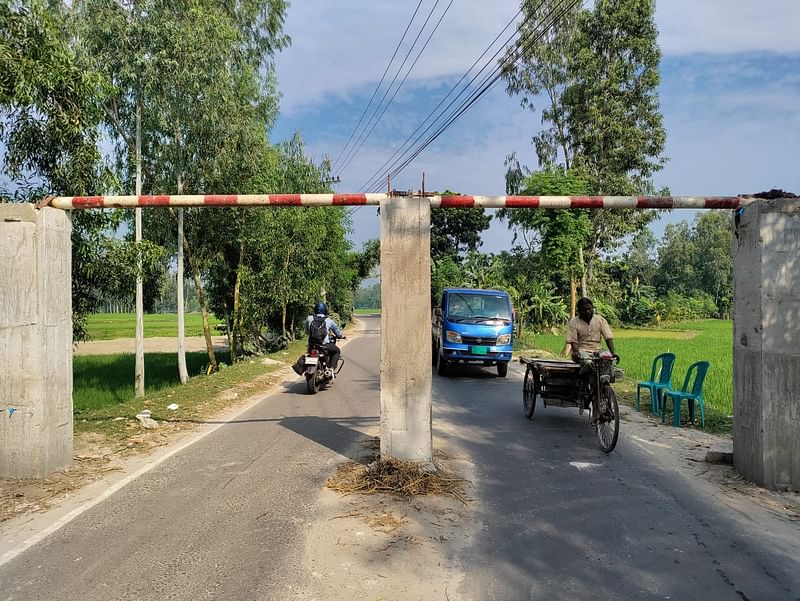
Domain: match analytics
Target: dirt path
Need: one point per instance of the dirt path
(151, 345)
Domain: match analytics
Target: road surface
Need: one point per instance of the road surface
(243, 514)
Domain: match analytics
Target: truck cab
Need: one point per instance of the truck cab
(473, 326)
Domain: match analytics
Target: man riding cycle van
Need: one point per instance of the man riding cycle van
(585, 333)
(318, 327)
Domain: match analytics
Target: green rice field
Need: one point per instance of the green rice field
(709, 340)
(102, 380)
(108, 326)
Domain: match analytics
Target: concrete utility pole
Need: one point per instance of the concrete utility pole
(766, 355)
(406, 329)
(35, 341)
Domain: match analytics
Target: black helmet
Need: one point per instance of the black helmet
(320, 308)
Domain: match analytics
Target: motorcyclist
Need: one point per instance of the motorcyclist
(321, 311)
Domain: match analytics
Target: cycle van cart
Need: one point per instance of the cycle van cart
(556, 383)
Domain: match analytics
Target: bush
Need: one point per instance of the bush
(677, 307)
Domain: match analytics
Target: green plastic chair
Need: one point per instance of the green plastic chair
(660, 379)
(691, 391)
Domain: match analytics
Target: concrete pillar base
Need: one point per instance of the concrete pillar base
(766, 348)
(406, 330)
(35, 341)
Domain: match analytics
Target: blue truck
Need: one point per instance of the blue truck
(473, 326)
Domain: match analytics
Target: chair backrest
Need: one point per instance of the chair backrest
(664, 370)
(695, 376)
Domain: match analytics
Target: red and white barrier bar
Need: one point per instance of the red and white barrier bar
(317, 200)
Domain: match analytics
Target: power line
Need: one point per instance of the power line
(441, 102)
(484, 87)
(374, 93)
(364, 135)
(488, 82)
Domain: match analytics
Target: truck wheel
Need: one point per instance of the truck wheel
(441, 363)
(502, 369)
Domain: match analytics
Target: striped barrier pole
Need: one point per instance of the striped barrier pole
(317, 200)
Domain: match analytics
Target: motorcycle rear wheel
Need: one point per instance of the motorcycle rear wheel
(311, 383)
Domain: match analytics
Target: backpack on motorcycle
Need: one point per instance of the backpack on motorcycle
(317, 330)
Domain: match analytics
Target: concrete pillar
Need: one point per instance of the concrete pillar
(35, 341)
(766, 344)
(406, 329)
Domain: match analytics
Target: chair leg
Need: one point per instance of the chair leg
(638, 390)
(676, 412)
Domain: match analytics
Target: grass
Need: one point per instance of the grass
(103, 387)
(108, 326)
(710, 340)
(367, 311)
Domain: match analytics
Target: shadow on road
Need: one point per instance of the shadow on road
(335, 433)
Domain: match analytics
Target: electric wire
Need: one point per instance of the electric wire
(379, 172)
(375, 92)
(405, 77)
(486, 84)
(362, 139)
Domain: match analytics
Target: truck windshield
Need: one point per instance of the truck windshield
(465, 306)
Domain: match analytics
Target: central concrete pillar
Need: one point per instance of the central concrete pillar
(766, 344)
(35, 341)
(406, 329)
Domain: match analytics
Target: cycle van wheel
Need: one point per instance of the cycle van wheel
(530, 389)
(607, 427)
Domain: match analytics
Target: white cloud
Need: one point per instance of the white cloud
(340, 49)
(728, 26)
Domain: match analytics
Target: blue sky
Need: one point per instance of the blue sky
(730, 96)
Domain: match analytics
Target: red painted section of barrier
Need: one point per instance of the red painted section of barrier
(88, 202)
(522, 202)
(285, 200)
(722, 202)
(457, 202)
(349, 199)
(220, 200)
(655, 202)
(154, 201)
(586, 202)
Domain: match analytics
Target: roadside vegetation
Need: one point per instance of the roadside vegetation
(109, 326)
(104, 396)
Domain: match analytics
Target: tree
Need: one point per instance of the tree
(50, 120)
(199, 72)
(564, 233)
(536, 65)
(454, 232)
(599, 68)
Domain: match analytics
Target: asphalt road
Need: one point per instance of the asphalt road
(558, 519)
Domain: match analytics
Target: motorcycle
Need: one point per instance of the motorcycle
(318, 372)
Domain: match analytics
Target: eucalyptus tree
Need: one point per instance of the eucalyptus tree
(200, 73)
(49, 125)
(598, 71)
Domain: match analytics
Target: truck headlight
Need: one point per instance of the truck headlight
(453, 337)
(503, 339)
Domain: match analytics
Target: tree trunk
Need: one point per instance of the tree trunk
(201, 299)
(139, 368)
(237, 309)
(183, 373)
(573, 293)
(584, 287)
